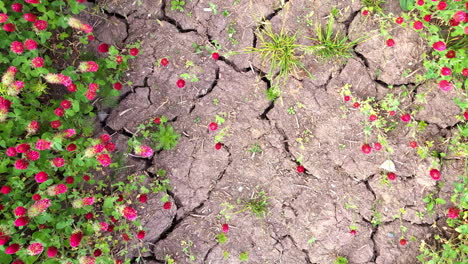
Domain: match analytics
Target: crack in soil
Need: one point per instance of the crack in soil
(121, 18)
(212, 86)
(172, 21)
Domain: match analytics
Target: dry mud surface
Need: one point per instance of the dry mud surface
(341, 186)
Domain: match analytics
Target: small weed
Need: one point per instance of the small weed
(214, 8)
(177, 5)
(273, 93)
(244, 256)
(278, 51)
(291, 110)
(258, 204)
(187, 250)
(331, 45)
(341, 260)
(373, 5)
(255, 148)
(221, 238)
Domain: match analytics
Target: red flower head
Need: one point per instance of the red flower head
(218, 146)
(117, 86)
(403, 242)
(65, 104)
(17, 47)
(71, 147)
(21, 221)
(420, 2)
(399, 20)
(23, 148)
(427, 18)
(141, 234)
(435, 174)
(164, 62)
(104, 159)
(11, 152)
(40, 25)
(42, 144)
(109, 146)
(97, 252)
(86, 178)
(129, 213)
(58, 162)
(104, 226)
(143, 198)
(144, 151)
(225, 228)
(69, 180)
(4, 239)
(167, 205)
(445, 85)
(356, 105)
(391, 176)
(366, 149)
(29, 17)
(450, 54)
(33, 155)
(52, 252)
(55, 124)
(19, 211)
(3, 17)
(5, 189)
(405, 118)
(413, 144)
(445, 71)
(300, 169)
(215, 55)
(439, 45)
(365, 12)
(377, 146)
(37, 62)
(75, 239)
(442, 5)
(418, 25)
(103, 48)
(33, 127)
(36, 197)
(21, 164)
(390, 42)
(213, 126)
(12, 249)
(35, 249)
(459, 16)
(134, 51)
(72, 88)
(180, 83)
(453, 212)
(17, 7)
(41, 177)
(119, 59)
(30, 44)
(59, 111)
(9, 27)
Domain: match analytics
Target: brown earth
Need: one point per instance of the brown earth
(310, 214)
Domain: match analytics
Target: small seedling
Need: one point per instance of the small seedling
(244, 256)
(177, 5)
(258, 204)
(255, 148)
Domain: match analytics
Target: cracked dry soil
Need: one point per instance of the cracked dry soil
(314, 204)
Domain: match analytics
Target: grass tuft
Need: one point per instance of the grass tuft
(331, 45)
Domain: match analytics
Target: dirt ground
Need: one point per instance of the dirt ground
(309, 214)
